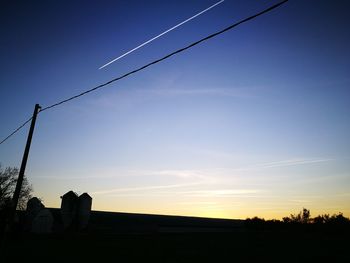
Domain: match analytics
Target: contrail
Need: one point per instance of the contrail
(161, 34)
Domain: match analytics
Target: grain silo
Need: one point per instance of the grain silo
(69, 206)
(84, 209)
(34, 206)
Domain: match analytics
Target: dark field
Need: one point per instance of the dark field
(126, 237)
(248, 246)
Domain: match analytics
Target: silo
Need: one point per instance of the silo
(69, 207)
(34, 206)
(84, 209)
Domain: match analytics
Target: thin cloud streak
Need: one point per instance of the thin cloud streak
(293, 162)
(222, 193)
(161, 34)
(190, 174)
(225, 92)
(283, 163)
(201, 175)
(55, 177)
(155, 187)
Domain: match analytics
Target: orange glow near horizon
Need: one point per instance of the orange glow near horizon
(213, 209)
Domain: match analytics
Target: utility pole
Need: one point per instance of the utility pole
(23, 167)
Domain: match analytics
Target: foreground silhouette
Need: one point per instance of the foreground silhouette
(155, 238)
(302, 221)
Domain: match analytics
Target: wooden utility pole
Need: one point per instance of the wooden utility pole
(23, 165)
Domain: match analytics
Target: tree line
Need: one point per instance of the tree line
(302, 221)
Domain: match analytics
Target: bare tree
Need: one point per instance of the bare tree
(303, 217)
(8, 180)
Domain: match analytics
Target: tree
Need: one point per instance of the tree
(8, 180)
(338, 219)
(303, 217)
(321, 219)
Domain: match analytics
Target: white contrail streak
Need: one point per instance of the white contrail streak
(161, 34)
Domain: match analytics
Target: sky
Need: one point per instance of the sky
(254, 122)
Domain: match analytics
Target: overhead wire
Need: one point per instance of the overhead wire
(161, 34)
(165, 57)
(20, 127)
(152, 63)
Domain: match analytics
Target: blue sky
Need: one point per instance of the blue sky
(252, 122)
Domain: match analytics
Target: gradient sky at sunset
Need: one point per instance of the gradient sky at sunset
(254, 122)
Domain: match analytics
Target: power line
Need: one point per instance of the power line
(152, 63)
(20, 127)
(165, 57)
(161, 34)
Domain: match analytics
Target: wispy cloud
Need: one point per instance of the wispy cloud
(195, 176)
(283, 163)
(220, 192)
(188, 178)
(82, 177)
(198, 175)
(292, 162)
(181, 177)
(142, 188)
(131, 98)
(302, 201)
(199, 203)
(217, 91)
